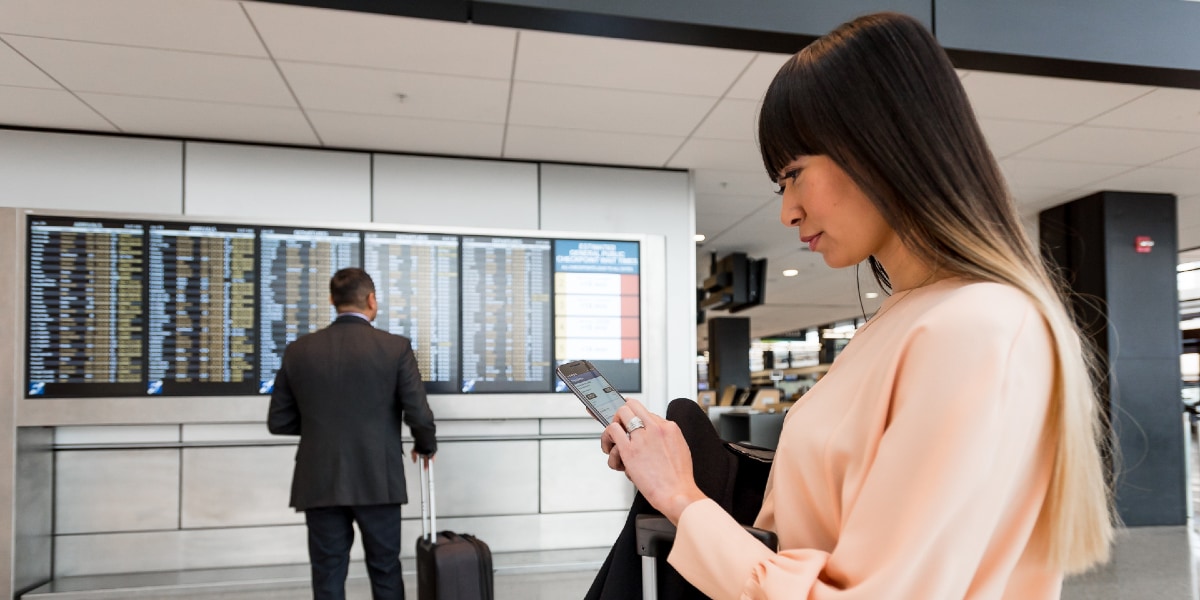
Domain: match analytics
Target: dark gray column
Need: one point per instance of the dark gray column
(1127, 302)
(728, 353)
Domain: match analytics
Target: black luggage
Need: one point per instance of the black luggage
(450, 566)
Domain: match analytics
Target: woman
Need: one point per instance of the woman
(953, 449)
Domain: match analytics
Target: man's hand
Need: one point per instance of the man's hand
(416, 455)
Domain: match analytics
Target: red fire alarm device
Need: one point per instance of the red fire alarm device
(1143, 244)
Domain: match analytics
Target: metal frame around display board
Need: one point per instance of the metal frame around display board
(252, 408)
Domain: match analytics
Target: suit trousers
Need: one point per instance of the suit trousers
(330, 536)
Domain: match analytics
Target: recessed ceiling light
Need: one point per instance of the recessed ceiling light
(870, 295)
(790, 272)
(699, 237)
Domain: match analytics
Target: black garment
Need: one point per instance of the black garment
(732, 479)
(330, 535)
(345, 390)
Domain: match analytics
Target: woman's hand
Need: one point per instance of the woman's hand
(655, 457)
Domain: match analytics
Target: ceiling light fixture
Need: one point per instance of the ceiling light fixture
(699, 237)
(790, 272)
(871, 295)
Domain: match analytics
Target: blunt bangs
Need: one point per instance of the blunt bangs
(784, 128)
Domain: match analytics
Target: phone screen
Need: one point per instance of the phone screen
(593, 389)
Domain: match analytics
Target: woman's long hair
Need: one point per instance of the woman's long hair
(879, 96)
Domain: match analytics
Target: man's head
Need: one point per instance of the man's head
(351, 290)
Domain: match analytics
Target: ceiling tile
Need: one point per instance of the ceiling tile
(1105, 145)
(1049, 174)
(573, 107)
(374, 92)
(1163, 109)
(593, 147)
(196, 25)
(56, 109)
(1006, 136)
(729, 205)
(1189, 215)
(1185, 160)
(1023, 97)
(1032, 200)
(735, 120)
(1181, 182)
(360, 39)
(717, 154)
(398, 134)
(745, 183)
(1189, 239)
(204, 120)
(753, 83)
(87, 67)
(758, 233)
(627, 64)
(15, 70)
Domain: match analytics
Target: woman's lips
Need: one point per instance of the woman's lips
(811, 240)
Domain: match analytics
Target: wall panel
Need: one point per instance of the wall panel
(643, 201)
(576, 478)
(236, 487)
(90, 173)
(238, 181)
(116, 490)
(455, 192)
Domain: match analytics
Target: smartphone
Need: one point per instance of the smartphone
(597, 394)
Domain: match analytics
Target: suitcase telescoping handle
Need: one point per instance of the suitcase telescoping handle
(427, 511)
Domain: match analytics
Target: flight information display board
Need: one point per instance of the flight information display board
(135, 307)
(597, 308)
(86, 309)
(202, 309)
(294, 269)
(506, 330)
(417, 287)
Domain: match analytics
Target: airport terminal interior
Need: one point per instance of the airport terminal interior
(529, 182)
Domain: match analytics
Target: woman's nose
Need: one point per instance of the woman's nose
(790, 214)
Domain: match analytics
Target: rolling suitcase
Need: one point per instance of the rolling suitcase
(450, 566)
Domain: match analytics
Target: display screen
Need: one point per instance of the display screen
(86, 325)
(294, 269)
(506, 307)
(597, 308)
(201, 310)
(417, 286)
(133, 307)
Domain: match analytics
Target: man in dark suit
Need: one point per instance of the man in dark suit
(344, 390)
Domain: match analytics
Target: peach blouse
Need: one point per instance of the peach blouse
(915, 469)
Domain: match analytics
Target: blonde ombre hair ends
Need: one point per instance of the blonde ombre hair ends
(879, 96)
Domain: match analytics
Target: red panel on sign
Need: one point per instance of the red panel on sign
(630, 306)
(630, 349)
(629, 285)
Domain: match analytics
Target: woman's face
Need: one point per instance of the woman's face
(833, 215)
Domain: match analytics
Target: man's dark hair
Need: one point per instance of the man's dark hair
(350, 287)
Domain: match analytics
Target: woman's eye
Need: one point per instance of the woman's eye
(792, 175)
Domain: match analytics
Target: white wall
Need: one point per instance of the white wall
(597, 199)
(455, 192)
(232, 180)
(542, 493)
(90, 173)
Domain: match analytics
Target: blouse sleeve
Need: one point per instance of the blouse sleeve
(967, 408)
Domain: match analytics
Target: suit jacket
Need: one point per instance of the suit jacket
(345, 390)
